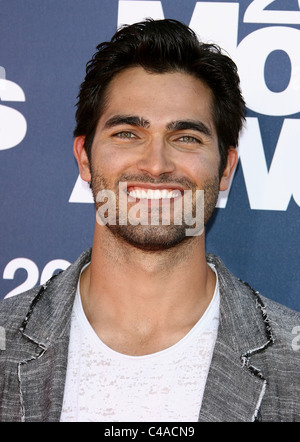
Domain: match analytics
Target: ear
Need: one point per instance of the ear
(82, 158)
(232, 159)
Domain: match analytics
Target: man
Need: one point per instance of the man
(146, 326)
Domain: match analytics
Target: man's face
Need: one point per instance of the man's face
(156, 134)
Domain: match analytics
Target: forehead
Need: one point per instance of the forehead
(159, 97)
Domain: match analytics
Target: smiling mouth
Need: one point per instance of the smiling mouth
(153, 194)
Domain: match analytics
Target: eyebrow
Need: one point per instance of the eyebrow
(131, 120)
(137, 121)
(196, 125)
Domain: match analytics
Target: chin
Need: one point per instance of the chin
(151, 238)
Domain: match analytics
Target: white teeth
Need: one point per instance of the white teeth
(154, 194)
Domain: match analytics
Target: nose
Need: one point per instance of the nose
(156, 159)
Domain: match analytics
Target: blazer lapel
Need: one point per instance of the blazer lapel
(235, 388)
(45, 335)
(232, 393)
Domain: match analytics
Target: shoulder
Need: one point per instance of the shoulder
(285, 324)
(260, 312)
(13, 309)
(279, 313)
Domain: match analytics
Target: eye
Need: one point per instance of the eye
(125, 134)
(188, 139)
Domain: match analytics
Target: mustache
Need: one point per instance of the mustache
(163, 179)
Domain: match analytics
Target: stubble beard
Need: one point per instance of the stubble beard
(154, 237)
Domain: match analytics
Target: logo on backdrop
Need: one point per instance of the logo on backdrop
(267, 188)
(13, 126)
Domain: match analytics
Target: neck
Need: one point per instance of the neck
(145, 293)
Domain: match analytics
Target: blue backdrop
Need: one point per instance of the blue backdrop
(47, 218)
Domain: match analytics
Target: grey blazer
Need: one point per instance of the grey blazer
(254, 373)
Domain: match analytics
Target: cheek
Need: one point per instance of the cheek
(108, 161)
(201, 169)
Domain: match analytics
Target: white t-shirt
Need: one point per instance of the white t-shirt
(103, 385)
